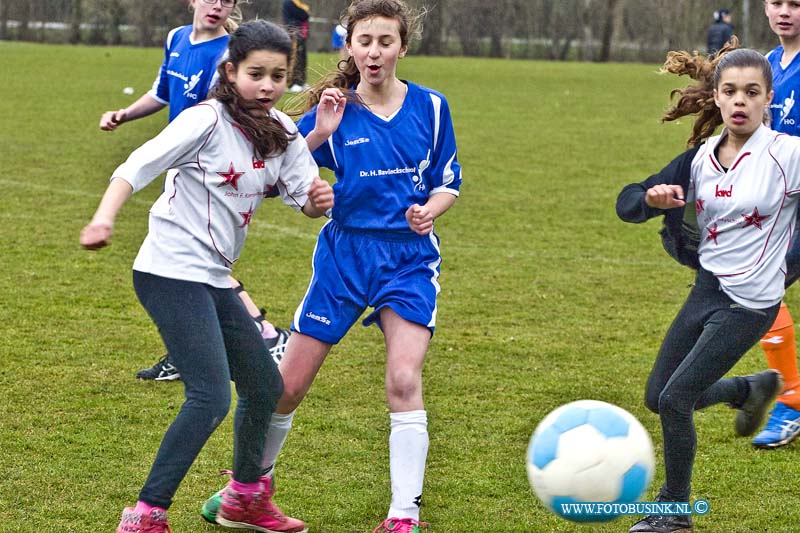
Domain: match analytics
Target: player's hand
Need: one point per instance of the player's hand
(111, 119)
(665, 196)
(419, 219)
(329, 111)
(320, 194)
(96, 235)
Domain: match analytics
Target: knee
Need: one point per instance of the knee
(651, 399)
(403, 384)
(291, 397)
(212, 405)
(670, 404)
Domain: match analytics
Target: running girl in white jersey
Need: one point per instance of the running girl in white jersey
(228, 154)
(391, 145)
(744, 185)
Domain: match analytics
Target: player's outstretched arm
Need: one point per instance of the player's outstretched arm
(144, 106)
(97, 233)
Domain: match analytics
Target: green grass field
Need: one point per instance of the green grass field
(547, 298)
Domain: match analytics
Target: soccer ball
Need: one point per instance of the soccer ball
(589, 451)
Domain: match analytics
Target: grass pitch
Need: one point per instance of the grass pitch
(547, 298)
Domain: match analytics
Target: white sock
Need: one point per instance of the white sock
(408, 450)
(279, 427)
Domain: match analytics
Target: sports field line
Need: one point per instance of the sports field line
(145, 202)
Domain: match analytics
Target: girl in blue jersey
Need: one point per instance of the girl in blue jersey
(191, 55)
(778, 344)
(743, 186)
(226, 155)
(187, 74)
(392, 148)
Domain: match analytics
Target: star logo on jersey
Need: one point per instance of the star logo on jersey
(246, 216)
(713, 233)
(699, 205)
(231, 177)
(755, 219)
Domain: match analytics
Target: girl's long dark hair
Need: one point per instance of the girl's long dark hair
(267, 134)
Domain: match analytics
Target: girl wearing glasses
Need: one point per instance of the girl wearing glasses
(191, 55)
(226, 155)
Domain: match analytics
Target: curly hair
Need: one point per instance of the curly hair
(268, 135)
(346, 75)
(698, 99)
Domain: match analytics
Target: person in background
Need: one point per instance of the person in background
(720, 31)
(296, 15)
(779, 346)
(338, 35)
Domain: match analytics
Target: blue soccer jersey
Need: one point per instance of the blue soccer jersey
(785, 109)
(384, 166)
(189, 70)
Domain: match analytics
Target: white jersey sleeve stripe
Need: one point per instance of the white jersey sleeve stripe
(333, 152)
(437, 109)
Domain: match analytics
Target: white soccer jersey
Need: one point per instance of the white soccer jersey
(198, 225)
(746, 214)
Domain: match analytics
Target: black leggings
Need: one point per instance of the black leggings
(212, 340)
(707, 338)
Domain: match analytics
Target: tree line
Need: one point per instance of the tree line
(588, 30)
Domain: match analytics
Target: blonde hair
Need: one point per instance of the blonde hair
(234, 19)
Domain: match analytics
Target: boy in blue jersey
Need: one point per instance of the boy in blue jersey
(188, 72)
(779, 347)
(392, 148)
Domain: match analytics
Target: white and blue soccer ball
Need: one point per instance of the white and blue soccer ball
(589, 452)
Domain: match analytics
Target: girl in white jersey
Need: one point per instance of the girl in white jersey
(187, 74)
(744, 186)
(228, 154)
(393, 151)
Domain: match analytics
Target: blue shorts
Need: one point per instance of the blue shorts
(354, 270)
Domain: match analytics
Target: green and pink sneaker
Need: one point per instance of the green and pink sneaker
(400, 525)
(211, 508)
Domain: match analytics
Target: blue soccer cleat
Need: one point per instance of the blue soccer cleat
(782, 428)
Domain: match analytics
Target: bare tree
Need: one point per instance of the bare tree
(4, 5)
(608, 30)
(76, 18)
(433, 29)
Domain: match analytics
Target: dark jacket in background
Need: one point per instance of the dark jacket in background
(678, 236)
(719, 33)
